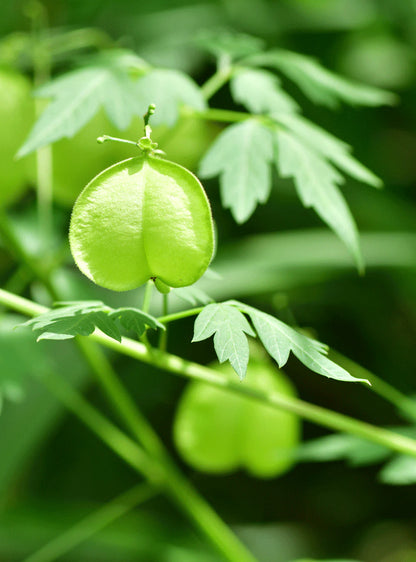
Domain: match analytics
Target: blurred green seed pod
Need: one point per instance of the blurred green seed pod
(218, 432)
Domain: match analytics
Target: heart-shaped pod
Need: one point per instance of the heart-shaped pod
(219, 432)
(143, 218)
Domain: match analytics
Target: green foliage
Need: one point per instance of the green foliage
(226, 321)
(168, 90)
(229, 328)
(398, 470)
(15, 366)
(82, 318)
(260, 91)
(109, 81)
(317, 185)
(241, 155)
(78, 95)
(321, 85)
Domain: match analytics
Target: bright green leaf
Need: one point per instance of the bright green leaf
(167, 89)
(234, 45)
(229, 328)
(280, 339)
(135, 320)
(82, 318)
(332, 148)
(321, 85)
(260, 91)
(241, 156)
(78, 95)
(316, 182)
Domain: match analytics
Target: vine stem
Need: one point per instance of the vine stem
(184, 495)
(93, 523)
(44, 160)
(194, 371)
(159, 474)
(219, 78)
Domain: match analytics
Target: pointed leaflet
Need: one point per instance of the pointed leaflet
(335, 150)
(79, 319)
(400, 471)
(229, 327)
(317, 182)
(321, 85)
(135, 320)
(280, 339)
(260, 91)
(78, 95)
(241, 155)
(168, 89)
(82, 318)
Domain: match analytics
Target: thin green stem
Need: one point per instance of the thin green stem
(119, 398)
(163, 338)
(147, 296)
(44, 163)
(194, 371)
(220, 115)
(165, 319)
(105, 138)
(93, 523)
(406, 405)
(113, 437)
(13, 243)
(156, 472)
(218, 79)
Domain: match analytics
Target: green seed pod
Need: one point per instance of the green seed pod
(219, 432)
(140, 219)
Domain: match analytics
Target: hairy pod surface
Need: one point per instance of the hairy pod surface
(143, 218)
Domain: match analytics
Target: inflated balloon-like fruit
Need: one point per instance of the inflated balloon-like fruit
(218, 432)
(143, 218)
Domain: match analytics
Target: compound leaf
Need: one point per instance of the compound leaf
(167, 89)
(320, 84)
(316, 182)
(135, 320)
(78, 95)
(82, 318)
(229, 328)
(329, 146)
(241, 155)
(260, 92)
(279, 339)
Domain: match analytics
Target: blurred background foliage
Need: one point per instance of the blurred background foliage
(52, 471)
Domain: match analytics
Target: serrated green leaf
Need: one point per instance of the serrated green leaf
(335, 150)
(80, 319)
(193, 295)
(260, 92)
(241, 155)
(235, 45)
(316, 182)
(168, 90)
(280, 339)
(135, 320)
(76, 98)
(401, 470)
(229, 328)
(320, 84)
(358, 452)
